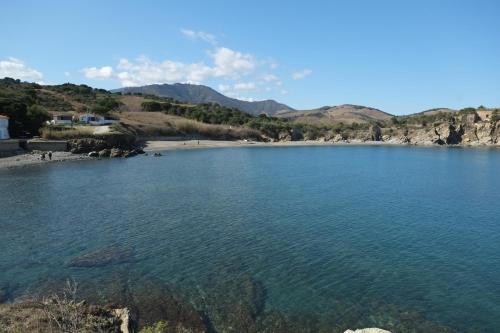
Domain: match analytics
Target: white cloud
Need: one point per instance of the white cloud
(104, 72)
(204, 36)
(232, 63)
(246, 99)
(227, 63)
(146, 71)
(299, 75)
(269, 78)
(17, 69)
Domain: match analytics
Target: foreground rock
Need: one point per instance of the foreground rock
(59, 315)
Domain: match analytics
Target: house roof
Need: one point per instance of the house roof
(62, 114)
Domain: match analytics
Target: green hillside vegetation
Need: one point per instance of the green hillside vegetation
(30, 105)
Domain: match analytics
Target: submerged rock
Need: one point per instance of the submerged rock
(102, 257)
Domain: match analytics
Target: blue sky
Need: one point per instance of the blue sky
(398, 56)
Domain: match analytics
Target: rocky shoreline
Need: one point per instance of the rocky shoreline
(468, 133)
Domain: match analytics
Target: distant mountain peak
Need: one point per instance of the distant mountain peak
(197, 93)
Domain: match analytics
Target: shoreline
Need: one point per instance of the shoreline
(166, 145)
(150, 146)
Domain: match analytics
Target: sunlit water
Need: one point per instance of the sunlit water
(334, 233)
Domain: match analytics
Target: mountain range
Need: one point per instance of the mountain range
(196, 94)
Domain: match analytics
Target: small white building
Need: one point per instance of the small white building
(92, 119)
(4, 128)
(62, 119)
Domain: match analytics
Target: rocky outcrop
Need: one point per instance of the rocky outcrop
(448, 134)
(375, 133)
(104, 153)
(470, 132)
(86, 145)
(123, 315)
(116, 152)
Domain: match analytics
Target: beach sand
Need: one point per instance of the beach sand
(159, 145)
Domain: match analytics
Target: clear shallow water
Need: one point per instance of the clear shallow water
(338, 234)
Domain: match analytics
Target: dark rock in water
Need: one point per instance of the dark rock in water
(240, 305)
(102, 257)
(93, 154)
(140, 151)
(157, 154)
(149, 301)
(104, 153)
(130, 153)
(116, 152)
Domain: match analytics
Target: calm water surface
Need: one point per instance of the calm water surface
(334, 233)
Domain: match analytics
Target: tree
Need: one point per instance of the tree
(36, 116)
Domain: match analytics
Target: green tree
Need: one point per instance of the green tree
(36, 116)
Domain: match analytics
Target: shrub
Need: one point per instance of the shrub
(158, 327)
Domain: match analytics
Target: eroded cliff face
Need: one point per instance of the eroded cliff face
(467, 133)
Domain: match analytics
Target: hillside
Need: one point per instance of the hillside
(197, 94)
(434, 111)
(346, 113)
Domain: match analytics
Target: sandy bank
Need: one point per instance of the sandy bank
(157, 145)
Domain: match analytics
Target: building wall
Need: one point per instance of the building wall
(4, 129)
(9, 145)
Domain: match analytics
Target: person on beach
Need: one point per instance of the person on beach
(50, 155)
(42, 156)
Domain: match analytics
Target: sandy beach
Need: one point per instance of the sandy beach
(158, 145)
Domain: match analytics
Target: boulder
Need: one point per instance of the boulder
(93, 154)
(123, 315)
(284, 136)
(129, 153)
(448, 134)
(104, 153)
(116, 152)
(338, 138)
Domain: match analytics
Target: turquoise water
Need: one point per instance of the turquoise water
(350, 235)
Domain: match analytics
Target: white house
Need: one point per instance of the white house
(62, 119)
(92, 119)
(4, 128)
